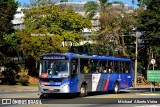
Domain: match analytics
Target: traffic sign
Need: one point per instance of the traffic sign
(153, 75)
(153, 61)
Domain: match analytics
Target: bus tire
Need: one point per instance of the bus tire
(83, 91)
(116, 88)
(43, 96)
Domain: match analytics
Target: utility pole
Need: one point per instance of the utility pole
(136, 54)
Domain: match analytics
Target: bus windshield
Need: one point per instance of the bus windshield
(56, 67)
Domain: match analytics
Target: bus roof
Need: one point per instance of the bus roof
(96, 57)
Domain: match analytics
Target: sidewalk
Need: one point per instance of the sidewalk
(146, 86)
(7, 88)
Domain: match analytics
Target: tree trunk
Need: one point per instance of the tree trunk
(149, 58)
(117, 41)
(123, 46)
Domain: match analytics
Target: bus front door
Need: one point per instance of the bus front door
(74, 78)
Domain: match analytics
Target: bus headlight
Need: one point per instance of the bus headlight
(44, 83)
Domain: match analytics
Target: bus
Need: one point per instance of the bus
(82, 73)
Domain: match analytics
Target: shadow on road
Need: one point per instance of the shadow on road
(146, 89)
(74, 95)
(58, 96)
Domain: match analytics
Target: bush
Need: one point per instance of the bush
(23, 78)
(8, 77)
(1, 78)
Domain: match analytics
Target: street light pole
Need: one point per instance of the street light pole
(136, 53)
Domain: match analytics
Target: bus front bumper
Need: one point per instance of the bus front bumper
(54, 89)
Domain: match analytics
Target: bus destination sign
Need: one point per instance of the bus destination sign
(53, 57)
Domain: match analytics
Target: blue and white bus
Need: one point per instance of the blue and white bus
(75, 73)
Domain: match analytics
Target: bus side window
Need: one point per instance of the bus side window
(110, 69)
(103, 67)
(98, 67)
(127, 67)
(95, 66)
(92, 66)
(116, 67)
(119, 67)
(85, 66)
(74, 68)
(106, 67)
(81, 67)
(124, 67)
(85, 69)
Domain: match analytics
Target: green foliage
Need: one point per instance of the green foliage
(9, 48)
(11, 45)
(7, 11)
(149, 22)
(91, 9)
(23, 78)
(141, 3)
(149, 26)
(115, 25)
(9, 75)
(47, 26)
(93, 49)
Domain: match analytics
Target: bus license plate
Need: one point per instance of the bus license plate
(51, 89)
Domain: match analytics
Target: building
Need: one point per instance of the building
(18, 19)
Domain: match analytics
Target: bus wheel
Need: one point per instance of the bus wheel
(43, 96)
(83, 91)
(116, 88)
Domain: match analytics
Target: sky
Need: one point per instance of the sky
(129, 2)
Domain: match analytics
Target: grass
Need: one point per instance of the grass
(33, 85)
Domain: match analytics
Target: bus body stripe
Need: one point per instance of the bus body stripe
(107, 83)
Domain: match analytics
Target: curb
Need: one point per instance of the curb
(18, 90)
(149, 94)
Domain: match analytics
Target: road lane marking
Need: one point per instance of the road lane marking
(36, 105)
(149, 106)
(149, 94)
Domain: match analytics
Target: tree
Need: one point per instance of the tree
(115, 23)
(90, 9)
(149, 26)
(7, 11)
(11, 46)
(149, 22)
(47, 26)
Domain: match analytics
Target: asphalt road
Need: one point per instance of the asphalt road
(92, 100)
